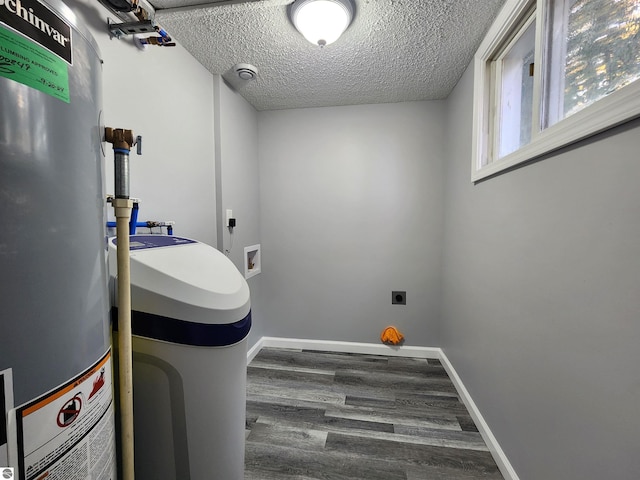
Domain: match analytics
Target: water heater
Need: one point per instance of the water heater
(55, 360)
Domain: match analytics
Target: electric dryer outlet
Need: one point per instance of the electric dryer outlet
(398, 297)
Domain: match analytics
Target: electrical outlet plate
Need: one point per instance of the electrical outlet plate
(398, 297)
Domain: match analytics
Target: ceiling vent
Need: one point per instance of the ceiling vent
(246, 72)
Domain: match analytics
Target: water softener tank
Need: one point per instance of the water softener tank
(55, 361)
(191, 314)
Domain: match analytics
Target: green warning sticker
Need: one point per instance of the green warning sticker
(26, 62)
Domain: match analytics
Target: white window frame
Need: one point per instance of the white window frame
(607, 112)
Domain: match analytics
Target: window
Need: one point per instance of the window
(550, 73)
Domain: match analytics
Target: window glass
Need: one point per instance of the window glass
(592, 51)
(516, 92)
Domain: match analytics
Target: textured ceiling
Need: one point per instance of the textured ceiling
(394, 51)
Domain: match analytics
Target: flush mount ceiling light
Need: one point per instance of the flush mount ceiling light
(321, 21)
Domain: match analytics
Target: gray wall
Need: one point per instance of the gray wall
(166, 96)
(352, 209)
(536, 279)
(238, 188)
(541, 300)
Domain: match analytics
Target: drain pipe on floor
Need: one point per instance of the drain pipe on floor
(122, 141)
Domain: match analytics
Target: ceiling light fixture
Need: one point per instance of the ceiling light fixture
(321, 21)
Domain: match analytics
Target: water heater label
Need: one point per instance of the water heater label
(37, 22)
(25, 62)
(69, 432)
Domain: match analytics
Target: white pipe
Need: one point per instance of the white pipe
(122, 209)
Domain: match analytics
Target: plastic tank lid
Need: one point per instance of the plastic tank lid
(177, 261)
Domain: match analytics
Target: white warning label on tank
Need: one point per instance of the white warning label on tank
(68, 433)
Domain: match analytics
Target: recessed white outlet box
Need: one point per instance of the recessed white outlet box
(252, 263)
(229, 215)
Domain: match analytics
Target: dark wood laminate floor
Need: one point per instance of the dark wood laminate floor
(322, 415)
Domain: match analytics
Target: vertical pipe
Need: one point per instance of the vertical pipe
(122, 204)
(125, 359)
(121, 177)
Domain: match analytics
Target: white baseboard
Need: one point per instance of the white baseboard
(253, 351)
(492, 444)
(351, 347)
(404, 351)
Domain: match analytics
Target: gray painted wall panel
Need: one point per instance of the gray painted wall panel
(540, 300)
(166, 96)
(352, 209)
(238, 185)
